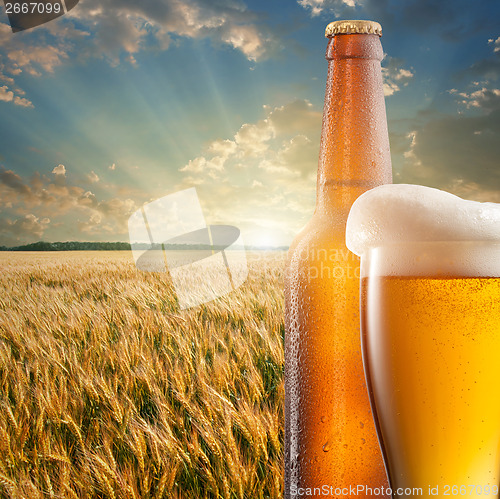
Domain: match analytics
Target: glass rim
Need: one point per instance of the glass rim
(450, 242)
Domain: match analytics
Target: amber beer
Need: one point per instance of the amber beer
(432, 350)
(330, 438)
(430, 309)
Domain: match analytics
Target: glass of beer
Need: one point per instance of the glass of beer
(430, 321)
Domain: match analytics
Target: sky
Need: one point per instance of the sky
(119, 103)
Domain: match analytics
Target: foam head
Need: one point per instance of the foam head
(408, 218)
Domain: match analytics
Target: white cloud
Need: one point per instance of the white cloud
(220, 151)
(294, 117)
(7, 79)
(482, 98)
(223, 148)
(29, 208)
(93, 177)
(475, 191)
(5, 94)
(28, 228)
(35, 58)
(197, 165)
(260, 170)
(117, 31)
(300, 155)
(59, 170)
(316, 6)
(496, 44)
(395, 76)
(125, 26)
(21, 101)
(410, 153)
(390, 88)
(92, 224)
(459, 152)
(253, 139)
(249, 40)
(319, 6)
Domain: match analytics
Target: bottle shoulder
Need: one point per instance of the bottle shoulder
(320, 230)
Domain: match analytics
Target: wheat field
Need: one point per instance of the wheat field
(108, 390)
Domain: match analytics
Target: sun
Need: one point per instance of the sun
(265, 239)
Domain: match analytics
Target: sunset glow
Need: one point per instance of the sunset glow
(117, 104)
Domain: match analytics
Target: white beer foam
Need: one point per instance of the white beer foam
(400, 220)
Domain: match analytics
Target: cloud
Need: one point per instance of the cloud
(394, 75)
(482, 73)
(279, 139)
(127, 26)
(59, 170)
(202, 165)
(496, 44)
(7, 95)
(107, 217)
(21, 101)
(459, 152)
(28, 228)
(487, 69)
(299, 155)
(13, 181)
(294, 117)
(6, 79)
(482, 98)
(263, 177)
(444, 17)
(93, 177)
(249, 40)
(52, 207)
(114, 28)
(452, 152)
(118, 30)
(35, 58)
(253, 139)
(318, 7)
(220, 151)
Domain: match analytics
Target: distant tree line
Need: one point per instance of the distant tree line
(69, 246)
(98, 246)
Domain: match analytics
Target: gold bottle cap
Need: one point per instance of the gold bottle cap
(353, 27)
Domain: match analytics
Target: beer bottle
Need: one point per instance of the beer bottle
(330, 437)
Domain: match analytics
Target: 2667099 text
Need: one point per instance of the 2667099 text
(34, 7)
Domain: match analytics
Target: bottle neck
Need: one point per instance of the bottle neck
(354, 149)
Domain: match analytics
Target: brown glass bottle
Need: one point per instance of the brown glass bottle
(330, 437)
